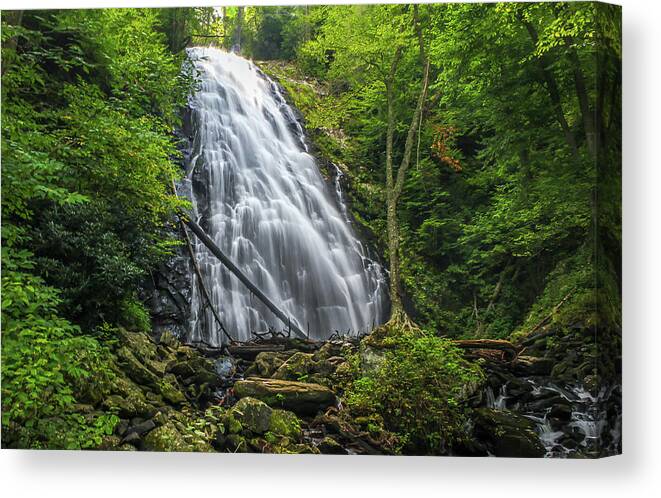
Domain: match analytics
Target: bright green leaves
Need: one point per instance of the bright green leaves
(45, 362)
(420, 391)
(28, 176)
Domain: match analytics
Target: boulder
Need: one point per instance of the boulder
(508, 434)
(285, 424)
(169, 339)
(267, 362)
(169, 390)
(300, 397)
(166, 438)
(329, 446)
(136, 369)
(141, 428)
(253, 415)
(297, 367)
(173, 437)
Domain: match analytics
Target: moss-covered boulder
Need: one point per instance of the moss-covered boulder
(297, 367)
(507, 434)
(135, 368)
(285, 424)
(166, 438)
(252, 414)
(175, 436)
(267, 362)
(170, 390)
(329, 446)
(300, 397)
(127, 400)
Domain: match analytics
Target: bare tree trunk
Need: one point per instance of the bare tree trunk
(394, 190)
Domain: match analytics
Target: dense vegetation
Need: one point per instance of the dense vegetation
(89, 100)
(481, 144)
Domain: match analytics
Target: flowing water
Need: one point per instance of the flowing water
(570, 420)
(259, 195)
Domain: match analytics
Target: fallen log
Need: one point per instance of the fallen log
(250, 351)
(229, 264)
(509, 351)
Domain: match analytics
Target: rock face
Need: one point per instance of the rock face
(508, 434)
(300, 397)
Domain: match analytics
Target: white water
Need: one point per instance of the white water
(261, 197)
(588, 417)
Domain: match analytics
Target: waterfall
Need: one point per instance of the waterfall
(259, 195)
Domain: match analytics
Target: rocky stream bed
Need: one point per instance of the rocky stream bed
(283, 396)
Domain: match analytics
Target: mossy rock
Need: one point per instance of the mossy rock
(174, 437)
(267, 362)
(328, 350)
(232, 424)
(298, 366)
(136, 369)
(169, 339)
(299, 397)
(285, 424)
(169, 390)
(329, 446)
(253, 414)
(508, 434)
(166, 438)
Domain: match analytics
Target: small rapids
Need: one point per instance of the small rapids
(259, 195)
(570, 421)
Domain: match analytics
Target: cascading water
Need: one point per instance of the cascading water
(260, 196)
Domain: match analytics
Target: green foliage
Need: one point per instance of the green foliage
(89, 99)
(420, 391)
(46, 367)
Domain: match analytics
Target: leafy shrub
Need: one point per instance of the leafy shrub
(134, 315)
(419, 391)
(46, 367)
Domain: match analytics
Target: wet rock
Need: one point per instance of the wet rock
(300, 397)
(507, 433)
(132, 438)
(329, 446)
(561, 411)
(225, 366)
(121, 427)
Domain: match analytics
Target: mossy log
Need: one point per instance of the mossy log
(509, 351)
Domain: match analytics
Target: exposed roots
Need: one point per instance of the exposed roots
(399, 324)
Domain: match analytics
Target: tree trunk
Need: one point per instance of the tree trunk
(587, 115)
(394, 191)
